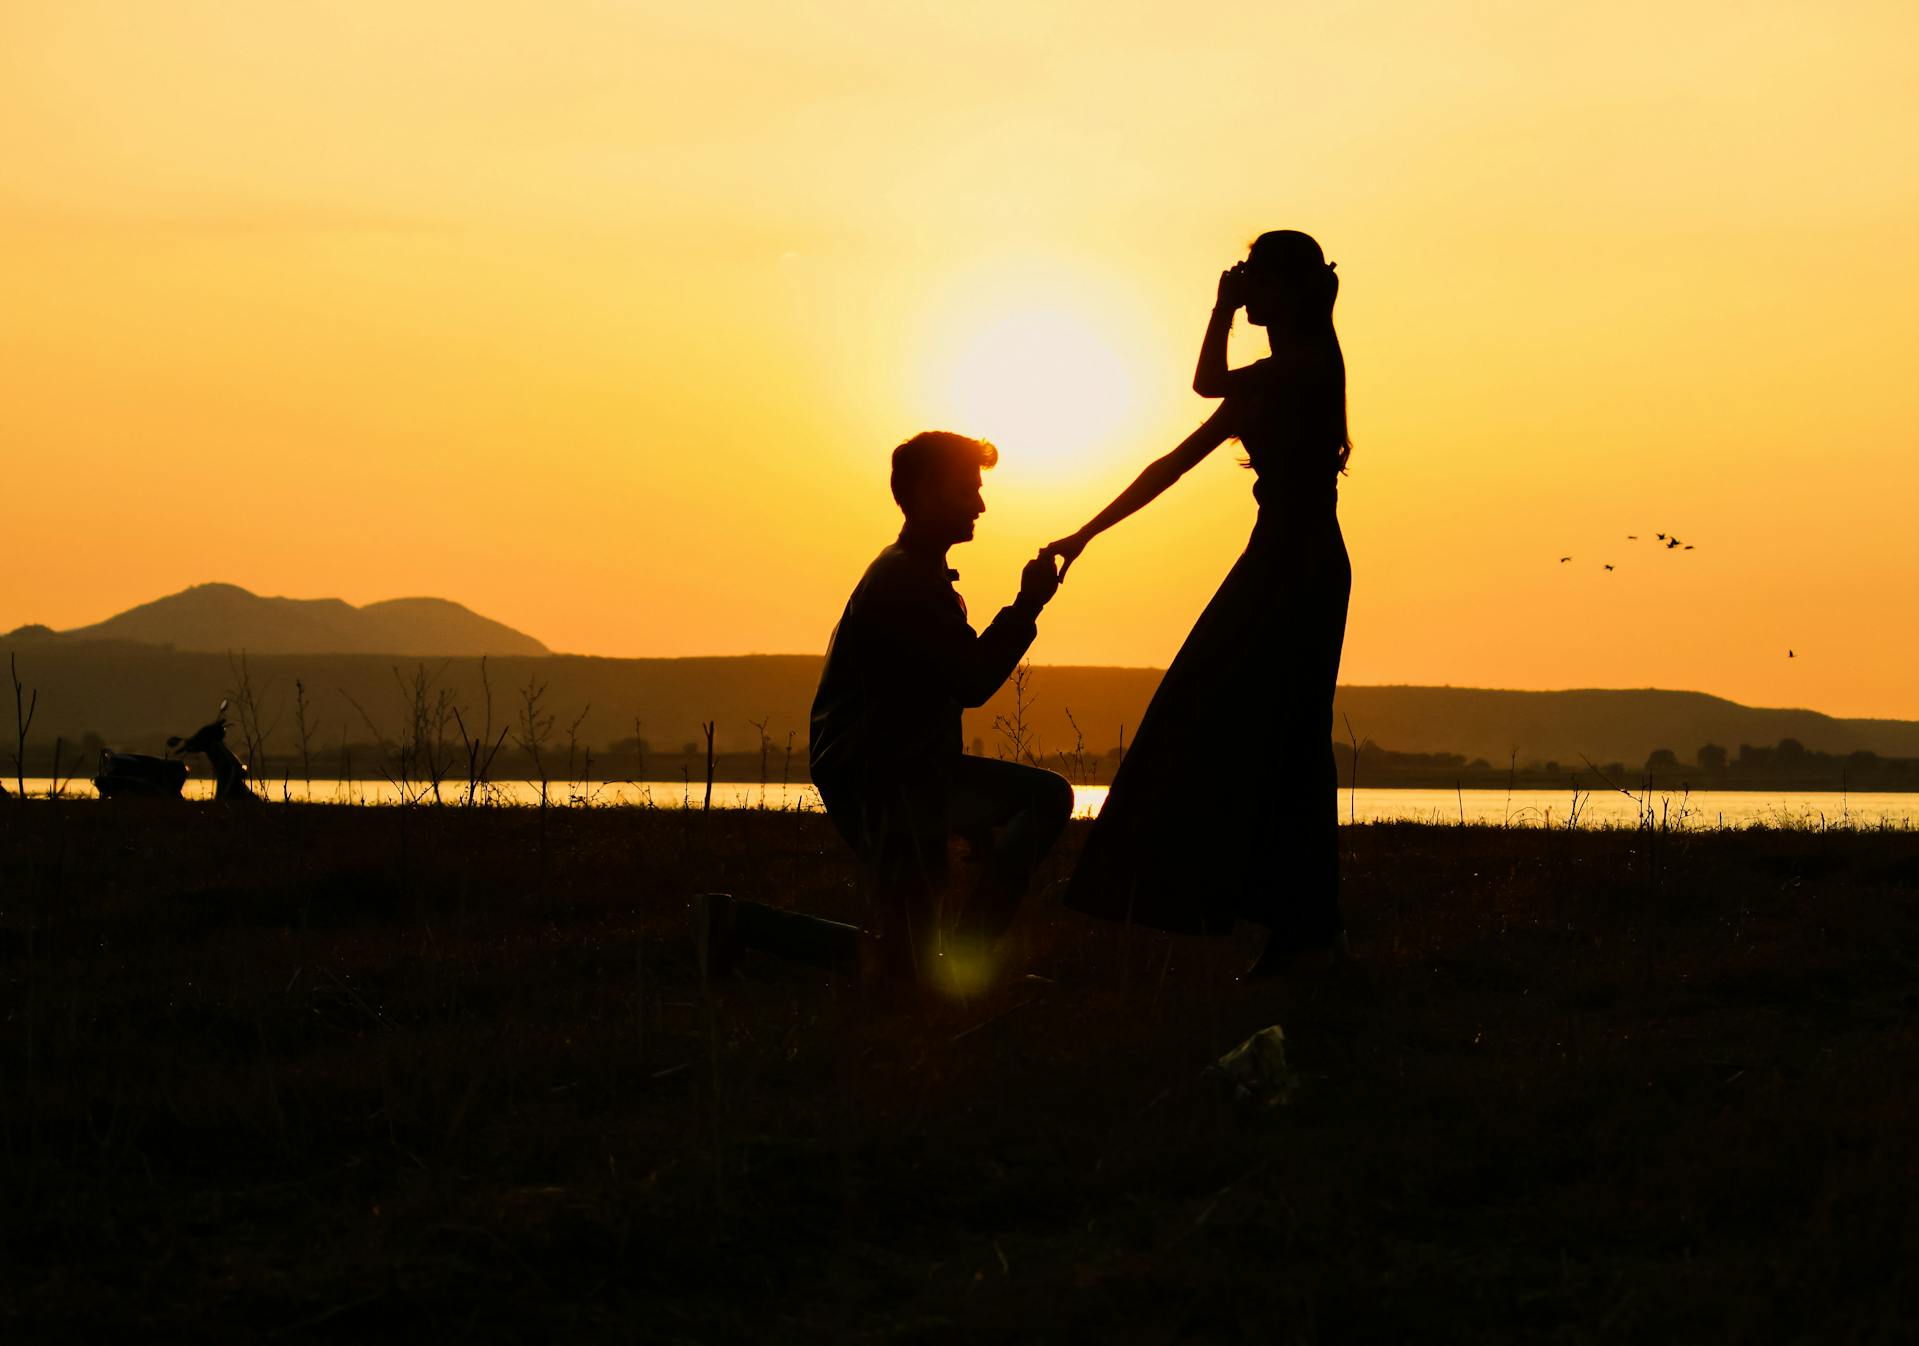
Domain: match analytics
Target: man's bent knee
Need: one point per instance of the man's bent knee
(1055, 799)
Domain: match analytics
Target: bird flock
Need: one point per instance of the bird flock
(1667, 541)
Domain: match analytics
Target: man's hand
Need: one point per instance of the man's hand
(1038, 582)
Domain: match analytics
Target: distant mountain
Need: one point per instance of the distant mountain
(222, 617)
(1605, 724)
(134, 695)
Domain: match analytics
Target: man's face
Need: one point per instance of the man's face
(948, 504)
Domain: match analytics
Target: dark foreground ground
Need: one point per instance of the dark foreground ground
(438, 1075)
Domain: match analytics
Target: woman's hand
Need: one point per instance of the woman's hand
(1065, 551)
(1232, 288)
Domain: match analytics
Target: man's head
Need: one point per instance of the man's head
(937, 483)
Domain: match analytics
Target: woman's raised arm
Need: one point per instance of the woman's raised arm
(1211, 378)
(1159, 474)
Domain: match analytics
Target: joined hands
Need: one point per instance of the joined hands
(1065, 552)
(1038, 582)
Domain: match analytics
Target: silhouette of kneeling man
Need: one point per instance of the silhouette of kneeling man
(886, 744)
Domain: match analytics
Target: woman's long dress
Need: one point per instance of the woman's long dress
(1226, 805)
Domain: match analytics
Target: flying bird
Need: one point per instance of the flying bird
(1689, 546)
(1632, 537)
(1660, 536)
(1609, 567)
(1789, 654)
(1671, 542)
(1564, 559)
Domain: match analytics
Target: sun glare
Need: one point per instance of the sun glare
(1044, 381)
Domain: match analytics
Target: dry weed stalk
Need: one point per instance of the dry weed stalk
(55, 784)
(766, 745)
(23, 721)
(706, 727)
(429, 711)
(581, 790)
(246, 701)
(395, 763)
(305, 727)
(1017, 739)
(535, 729)
(478, 767)
(1352, 786)
(1073, 764)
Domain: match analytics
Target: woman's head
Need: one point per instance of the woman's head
(1289, 282)
(1290, 289)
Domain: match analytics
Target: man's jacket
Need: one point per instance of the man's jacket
(901, 665)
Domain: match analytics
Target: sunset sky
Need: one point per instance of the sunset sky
(601, 318)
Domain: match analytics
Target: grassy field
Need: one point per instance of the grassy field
(335, 1073)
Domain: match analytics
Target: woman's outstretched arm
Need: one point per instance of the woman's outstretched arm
(1159, 474)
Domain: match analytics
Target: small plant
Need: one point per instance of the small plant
(707, 727)
(766, 745)
(1073, 764)
(305, 728)
(395, 762)
(55, 784)
(579, 782)
(1018, 742)
(479, 757)
(480, 749)
(429, 711)
(345, 771)
(246, 699)
(589, 792)
(23, 721)
(535, 729)
(1352, 783)
(1642, 802)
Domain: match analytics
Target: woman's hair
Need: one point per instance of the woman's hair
(1292, 261)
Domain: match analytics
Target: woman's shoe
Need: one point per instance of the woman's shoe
(1295, 960)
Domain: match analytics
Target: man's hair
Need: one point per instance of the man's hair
(932, 452)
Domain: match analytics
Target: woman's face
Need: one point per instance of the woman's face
(1267, 301)
(1277, 296)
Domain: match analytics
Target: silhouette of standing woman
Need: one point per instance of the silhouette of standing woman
(1226, 806)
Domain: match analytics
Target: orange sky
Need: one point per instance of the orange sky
(601, 317)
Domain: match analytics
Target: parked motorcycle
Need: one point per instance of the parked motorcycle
(132, 775)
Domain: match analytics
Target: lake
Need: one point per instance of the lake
(1524, 808)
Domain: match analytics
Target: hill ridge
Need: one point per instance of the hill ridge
(217, 616)
(137, 693)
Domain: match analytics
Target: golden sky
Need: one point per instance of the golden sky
(601, 317)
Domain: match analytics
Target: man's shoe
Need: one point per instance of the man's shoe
(714, 938)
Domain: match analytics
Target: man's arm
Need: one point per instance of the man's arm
(929, 629)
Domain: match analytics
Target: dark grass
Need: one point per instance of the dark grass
(337, 1073)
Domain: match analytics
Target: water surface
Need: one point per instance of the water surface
(1521, 808)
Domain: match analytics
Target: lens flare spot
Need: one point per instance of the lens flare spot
(964, 970)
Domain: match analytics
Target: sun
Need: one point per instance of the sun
(1046, 381)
